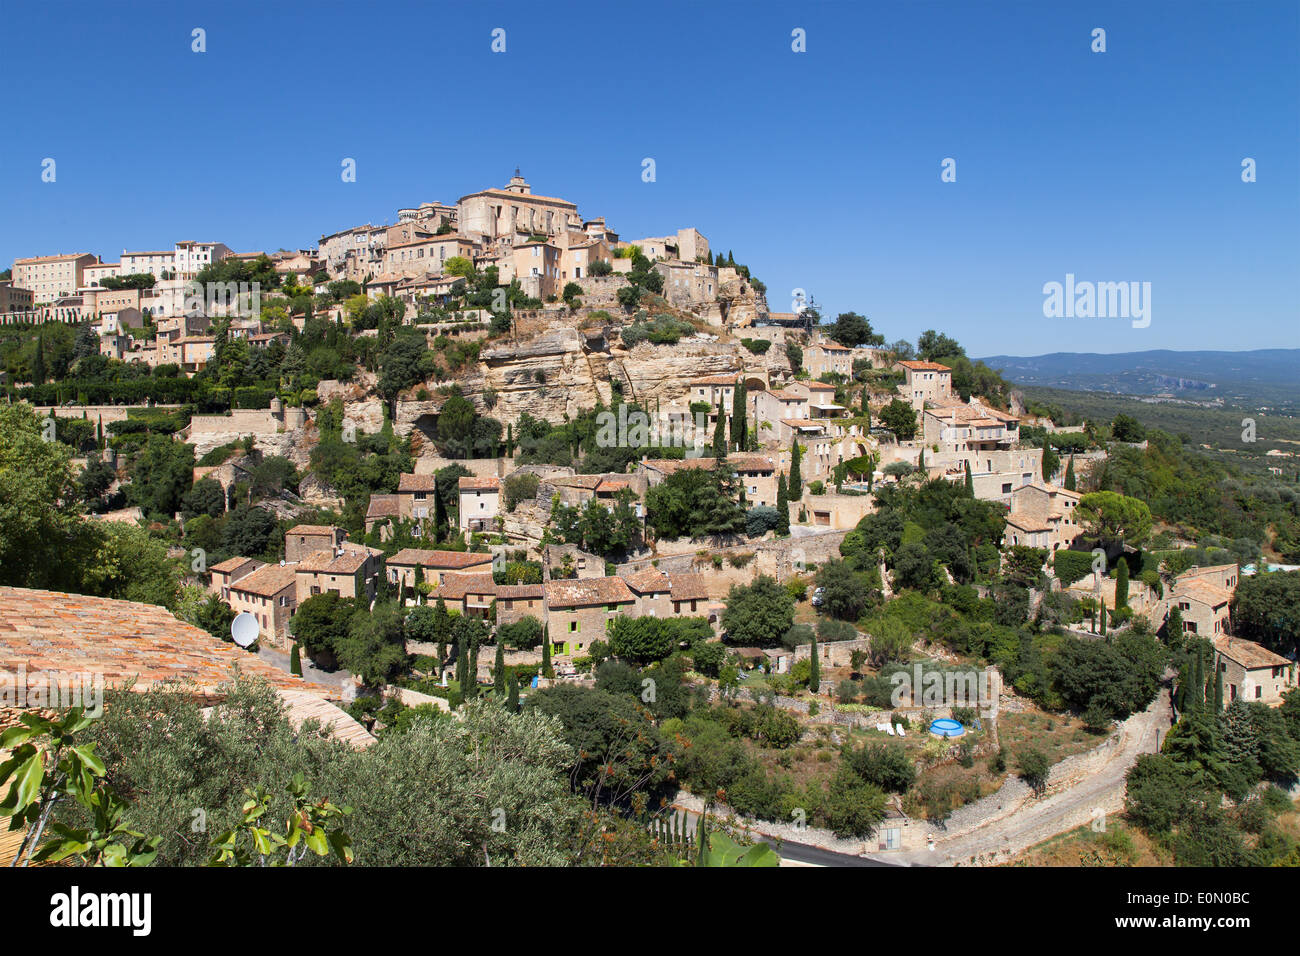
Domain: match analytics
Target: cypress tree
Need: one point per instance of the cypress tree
(1197, 696)
(970, 482)
(512, 700)
(462, 662)
(1103, 617)
(1174, 627)
(815, 673)
(547, 671)
(920, 462)
(295, 661)
(866, 406)
(1121, 585)
(470, 689)
(499, 669)
(782, 507)
(1218, 689)
(38, 362)
(439, 514)
(1069, 475)
(739, 416)
(442, 625)
(794, 486)
(720, 435)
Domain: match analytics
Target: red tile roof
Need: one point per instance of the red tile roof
(442, 560)
(479, 484)
(587, 592)
(266, 581)
(409, 483)
(454, 587)
(689, 587)
(72, 635)
(648, 581)
(312, 529)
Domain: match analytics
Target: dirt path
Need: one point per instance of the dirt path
(1010, 821)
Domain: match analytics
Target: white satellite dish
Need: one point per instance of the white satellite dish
(244, 629)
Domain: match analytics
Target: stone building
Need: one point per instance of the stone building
(304, 539)
(578, 611)
(434, 565)
(1043, 516)
(480, 503)
(351, 571)
(270, 594)
(1252, 672)
(925, 382)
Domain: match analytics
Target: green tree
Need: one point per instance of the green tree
(1070, 481)
(499, 670)
(295, 661)
(900, 419)
(720, 435)
(794, 483)
(1114, 519)
(1121, 585)
(758, 614)
(739, 417)
(782, 508)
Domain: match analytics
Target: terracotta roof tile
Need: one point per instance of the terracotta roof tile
(73, 635)
(1247, 653)
(408, 483)
(266, 581)
(442, 560)
(587, 592)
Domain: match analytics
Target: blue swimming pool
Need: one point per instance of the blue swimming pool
(947, 727)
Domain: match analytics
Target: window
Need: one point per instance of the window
(573, 627)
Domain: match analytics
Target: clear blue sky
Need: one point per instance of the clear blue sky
(819, 170)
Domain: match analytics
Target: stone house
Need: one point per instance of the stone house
(353, 571)
(435, 564)
(305, 539)
(828, 357)
(230, 571)
(1043, 516)
(470, 594)
(924, 382)
(515, 601)
(270, 594)
(578, 611)
(415, 496)
(1204, 598)
(1252, 672)
(480, 503)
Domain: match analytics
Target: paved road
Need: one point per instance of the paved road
(816, 856)
(310, 671)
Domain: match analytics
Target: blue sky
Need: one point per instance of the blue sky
(820, 170)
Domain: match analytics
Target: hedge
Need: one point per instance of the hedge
(1072, 566)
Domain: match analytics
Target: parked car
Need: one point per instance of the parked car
(818, 597)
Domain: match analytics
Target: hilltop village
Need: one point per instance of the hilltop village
(495, 454)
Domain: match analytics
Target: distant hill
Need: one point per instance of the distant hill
(1269, 376)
